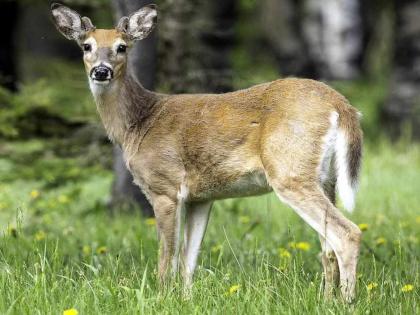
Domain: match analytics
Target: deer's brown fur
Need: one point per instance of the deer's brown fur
(185, 151)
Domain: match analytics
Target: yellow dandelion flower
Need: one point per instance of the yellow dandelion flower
(86, 250)
(150, 221)
(380, 241)
(303, 246)
(71, 311)
(284, 253)
(34, 194)
(233, 289)
(101, 250)
(40, 235)
(244, 219)
(363, 226)
(299, 245)
(63, 199)
(371, 286)
(407, 288)
(217, 248)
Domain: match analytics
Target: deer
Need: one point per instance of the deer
(296, 137)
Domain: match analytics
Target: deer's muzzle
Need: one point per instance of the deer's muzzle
(101, 73)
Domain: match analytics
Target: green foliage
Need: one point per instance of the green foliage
(247, 6)
(58, 100)
(7, 114)
(252, 69)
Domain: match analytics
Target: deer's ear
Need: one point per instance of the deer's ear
(139, 24)
(69, 22)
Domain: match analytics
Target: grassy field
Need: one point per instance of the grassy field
(60, 249)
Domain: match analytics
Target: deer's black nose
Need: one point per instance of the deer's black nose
(101, 73)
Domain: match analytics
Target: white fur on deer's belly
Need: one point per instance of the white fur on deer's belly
(252, 183)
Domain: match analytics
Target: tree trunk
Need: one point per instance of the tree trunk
(8, 53)
(401, 113)
(281, 22)
(333, 31)
(196, 37)
(316, 39)
(143, 65)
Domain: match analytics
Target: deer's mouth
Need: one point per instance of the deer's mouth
(101, 82)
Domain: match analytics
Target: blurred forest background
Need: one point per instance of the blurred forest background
(73, 224)
(369, 50)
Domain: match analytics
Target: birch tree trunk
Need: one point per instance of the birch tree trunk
(333, 31)
(316, 39)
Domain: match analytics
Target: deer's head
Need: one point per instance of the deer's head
(104, 50)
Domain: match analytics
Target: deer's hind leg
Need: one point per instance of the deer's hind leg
(341, 235)
(328, 257)
(291, 165)
(296, 183)
(331, 269)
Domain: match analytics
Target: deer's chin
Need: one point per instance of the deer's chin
(101, 82)
(100, 87)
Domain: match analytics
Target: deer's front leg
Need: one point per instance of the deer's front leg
(168, 217)
(197, 216)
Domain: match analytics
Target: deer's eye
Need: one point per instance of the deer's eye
(87, 47)
(121, 48)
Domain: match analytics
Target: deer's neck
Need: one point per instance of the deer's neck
(125, 106)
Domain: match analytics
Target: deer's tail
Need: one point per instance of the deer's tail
(348, 156)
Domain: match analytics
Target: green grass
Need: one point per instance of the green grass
(61, 249)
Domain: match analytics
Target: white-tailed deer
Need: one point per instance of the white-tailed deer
(294, 136)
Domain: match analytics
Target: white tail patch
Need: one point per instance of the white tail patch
(335, 144)
(325, 172)
(346, 190)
